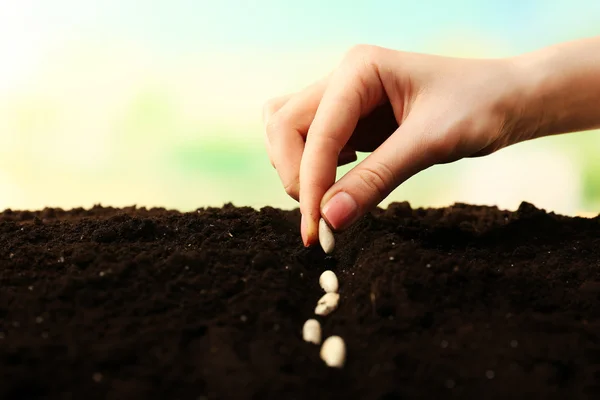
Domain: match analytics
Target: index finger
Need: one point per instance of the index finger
(354, 90)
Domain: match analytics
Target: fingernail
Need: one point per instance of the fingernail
(340, 211)
(303, 231)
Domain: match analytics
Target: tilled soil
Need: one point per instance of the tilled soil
(466, 301)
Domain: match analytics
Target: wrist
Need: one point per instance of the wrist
(559, 88)
(530, 117)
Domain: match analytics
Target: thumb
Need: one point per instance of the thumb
(412, 148)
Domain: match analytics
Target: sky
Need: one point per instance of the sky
(159, 102)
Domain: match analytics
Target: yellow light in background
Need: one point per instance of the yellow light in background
(120, 121)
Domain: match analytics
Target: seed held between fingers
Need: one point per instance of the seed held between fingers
(333, 352)
(327, 304)
(329, 282)
(311, 332)
(326, 237)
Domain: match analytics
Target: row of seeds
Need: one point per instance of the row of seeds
(333, 350)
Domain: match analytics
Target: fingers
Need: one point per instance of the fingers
(269, 109)
(274, 105)
(286, 131)
(354, 90)
(412, 148)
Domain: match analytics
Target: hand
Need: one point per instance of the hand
(410, 110)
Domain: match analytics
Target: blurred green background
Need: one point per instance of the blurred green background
(158, 103)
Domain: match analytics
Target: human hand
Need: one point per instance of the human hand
(410, 110)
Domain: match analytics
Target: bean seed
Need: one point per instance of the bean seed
(326, 237)
(333, 352)
(329, 282)
(311, 332)
(327, 304)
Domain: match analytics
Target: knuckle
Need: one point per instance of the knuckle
(291, 188)
(361, 66)
(273, 107)
(378, 178)
(266, 112)
(363, 57)
(274, 103)
(269, 108)
(326, 145)
(269, 104)
(361, 52)
(327, 141)
(275, 124)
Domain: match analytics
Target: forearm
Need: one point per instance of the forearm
(560, 89)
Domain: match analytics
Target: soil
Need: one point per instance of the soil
(466, 301)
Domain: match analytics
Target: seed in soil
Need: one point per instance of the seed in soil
(203, 323)
(327, 304)
(333, 352)
(311, 332)
(329, 282)
(326, 237)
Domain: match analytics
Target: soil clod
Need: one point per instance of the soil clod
(477, 303)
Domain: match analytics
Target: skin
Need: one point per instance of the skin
(412, 111)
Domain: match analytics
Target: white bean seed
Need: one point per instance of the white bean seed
(333, 352)
(329, 282)
(326, 237)
(327, 304)
(311, 332)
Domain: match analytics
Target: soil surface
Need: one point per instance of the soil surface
(469, 302)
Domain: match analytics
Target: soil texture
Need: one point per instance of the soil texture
(459, 302)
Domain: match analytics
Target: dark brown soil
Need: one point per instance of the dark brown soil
(469, 302)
